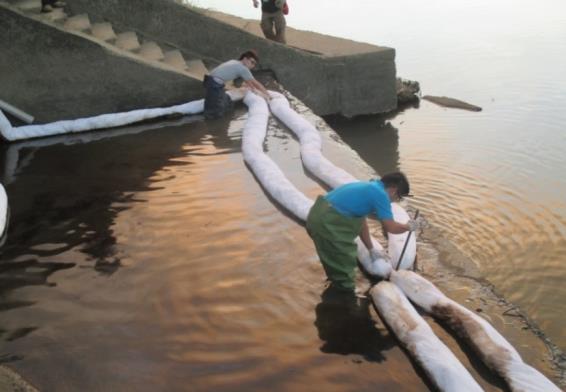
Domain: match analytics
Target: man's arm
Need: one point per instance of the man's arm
(364, 235)
(393, 227)
(257, 87)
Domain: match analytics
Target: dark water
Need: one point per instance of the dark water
(154, 261)
(492, 182)
(150, 259)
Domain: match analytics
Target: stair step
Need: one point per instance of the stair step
(151, 51)
(27, 5)
(103, 31)
(78, 22)
(197, 68)
(57, 15)
(127, 41)
(175, 59)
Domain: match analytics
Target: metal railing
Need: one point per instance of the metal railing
(14, 111)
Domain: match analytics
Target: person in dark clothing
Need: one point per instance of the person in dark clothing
(272, 17)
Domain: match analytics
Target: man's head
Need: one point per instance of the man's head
(396, 185)
(249, 58)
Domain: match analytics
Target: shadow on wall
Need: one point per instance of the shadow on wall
(372, 137)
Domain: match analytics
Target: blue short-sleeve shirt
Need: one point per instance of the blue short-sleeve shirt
(359, 199)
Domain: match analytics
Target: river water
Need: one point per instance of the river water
(492, 182)
(149, 258)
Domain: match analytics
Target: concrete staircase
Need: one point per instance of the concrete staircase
(103, 48)
(133, 42)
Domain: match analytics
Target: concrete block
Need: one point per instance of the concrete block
(77, 22)
(127, 41)
(103, 31)
(151, 51)
(175, 59)
(196, 68)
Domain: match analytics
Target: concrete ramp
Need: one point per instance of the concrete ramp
(329, 74)
(106, 56)
(61, 65)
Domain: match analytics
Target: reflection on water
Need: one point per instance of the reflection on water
(154, 260)
(374, 139)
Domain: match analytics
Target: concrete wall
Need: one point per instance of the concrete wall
(350, 84)
(56, 75)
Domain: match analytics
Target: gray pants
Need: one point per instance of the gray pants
(276, 20)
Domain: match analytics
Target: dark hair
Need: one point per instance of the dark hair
(399, 180)
(250, 53)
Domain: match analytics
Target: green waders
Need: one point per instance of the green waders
(334, 237)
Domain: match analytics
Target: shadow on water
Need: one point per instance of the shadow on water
(372, 137)
(346, 327)
(66, 192)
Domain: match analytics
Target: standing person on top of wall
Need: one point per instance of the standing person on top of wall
(335, 220)
(216, 102)
(272, 17)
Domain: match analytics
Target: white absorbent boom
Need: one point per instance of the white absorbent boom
(390, 298)
(438, 362)
(445, 370)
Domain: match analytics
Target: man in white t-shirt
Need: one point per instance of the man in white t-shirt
(216, 101)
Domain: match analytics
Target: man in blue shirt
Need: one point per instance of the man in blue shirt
(338, 218)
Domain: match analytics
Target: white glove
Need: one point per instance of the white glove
(377, 264)
(375, 253)
(381, 268)
(416, 224)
